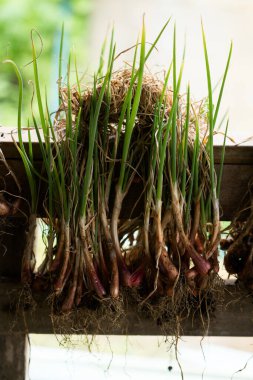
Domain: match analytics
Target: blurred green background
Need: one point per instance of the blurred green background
(17, 18)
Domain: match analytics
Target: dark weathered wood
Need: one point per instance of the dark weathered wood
(235, 155)
(12, 241)
(234, 189)
(14, 356)
(233, 318)
(237, 172)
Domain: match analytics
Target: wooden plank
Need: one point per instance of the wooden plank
(14, 356)
(234, 186)
(12, 243)
(234, 189)
(235, 155)
(9, 134)
(232, 318)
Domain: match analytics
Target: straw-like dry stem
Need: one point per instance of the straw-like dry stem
(60, 248)
(114, 279)
(124, 272)
(28, 260)
(68, 303)
(61, 279)
(203, 266)
(91, 271)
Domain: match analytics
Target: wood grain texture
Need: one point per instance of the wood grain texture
(232, 318)
(235, 189)
(15, 355)
(237, 172)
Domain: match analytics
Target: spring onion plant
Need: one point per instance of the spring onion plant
(28, 261)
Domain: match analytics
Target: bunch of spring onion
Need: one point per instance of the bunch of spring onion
(103, 143)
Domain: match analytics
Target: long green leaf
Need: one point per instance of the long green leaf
(174, 118)
(166, 136)
(185, 143)
(60, 64)
(222, 84)
(130, 124)
(210, 114)
(92, 134)
(37, 83)
(222, 161)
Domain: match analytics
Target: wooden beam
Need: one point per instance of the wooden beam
(237, 172)
(14, 356)
(231, 317)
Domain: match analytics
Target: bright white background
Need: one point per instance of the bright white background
(141, 358)
(224, 20)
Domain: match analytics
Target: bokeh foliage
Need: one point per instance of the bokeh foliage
(17, 18)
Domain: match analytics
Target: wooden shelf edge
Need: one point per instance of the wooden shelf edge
(233, 318)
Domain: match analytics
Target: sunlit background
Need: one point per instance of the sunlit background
(86, 24)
